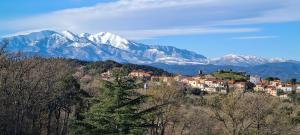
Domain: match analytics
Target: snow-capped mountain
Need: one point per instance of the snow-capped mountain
(108, 46)
(243, 60)
(101, 46)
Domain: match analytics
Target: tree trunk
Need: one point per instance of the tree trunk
(49, 122)
(57, 117)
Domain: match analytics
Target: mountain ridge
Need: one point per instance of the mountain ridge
(283, 70)
(101, 46)
(109, 46)
(244, 60)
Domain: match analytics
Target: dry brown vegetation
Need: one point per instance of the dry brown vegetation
(232, 114)
(41, 96)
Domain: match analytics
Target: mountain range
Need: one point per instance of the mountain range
(107, 46)
(101, 46)
(242, 60)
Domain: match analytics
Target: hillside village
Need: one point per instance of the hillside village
(218, 82)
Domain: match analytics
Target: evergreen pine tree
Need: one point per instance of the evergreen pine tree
(115, 111)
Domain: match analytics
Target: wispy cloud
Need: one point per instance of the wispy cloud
(144, 34)
(152, 18)
(254, 37)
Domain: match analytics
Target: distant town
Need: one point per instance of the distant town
(221, 82)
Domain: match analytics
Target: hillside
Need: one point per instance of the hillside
(282, 70)
(229, 75)
(103, 66)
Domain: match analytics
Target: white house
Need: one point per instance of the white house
(271, 90)
(287, 88)
(260, 87)
(255, 79)
(275, 83)
(210, 89)
(298, 88)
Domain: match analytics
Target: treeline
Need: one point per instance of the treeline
(37, 96)
(103, 66)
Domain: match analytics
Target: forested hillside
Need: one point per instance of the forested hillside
(103, 66)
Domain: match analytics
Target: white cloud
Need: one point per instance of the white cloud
(144, 34)
(152, 18)
(255, 37)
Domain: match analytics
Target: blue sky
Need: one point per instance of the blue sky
(267, 28)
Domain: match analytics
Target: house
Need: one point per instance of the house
(140, 74)
(260, 87)
(106, 75)
(240, 85)
(298, 88)
(186, 80)
(219, 83)
(197, 84)
(209, 82)
(210, 89)
(178, 78)
(255, 79)
(275, 83)
(271, 90)
(192, 82)
(287, 88)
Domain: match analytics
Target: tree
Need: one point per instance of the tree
(115, 111)
(168, 98)
(36, 95)
(250, 113)
(272, 78)
(231, 112)
(293, 81)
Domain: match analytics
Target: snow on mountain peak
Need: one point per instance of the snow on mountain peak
(111, 39)
(101, 46)
(274, 60)
(105, 45)
(84, 35)
(243, 60)
(99, 38)
(70, 35)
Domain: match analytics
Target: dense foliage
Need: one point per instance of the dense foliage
(102, 66)
(37, 96)
(115, 111)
